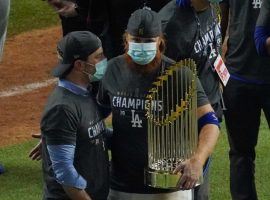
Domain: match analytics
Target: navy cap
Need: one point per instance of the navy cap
(144, 23)
(75, 45)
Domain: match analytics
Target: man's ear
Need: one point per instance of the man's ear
(78, 65)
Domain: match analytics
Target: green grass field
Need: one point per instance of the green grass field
(220, 166)
(23, 178)
(27, 15)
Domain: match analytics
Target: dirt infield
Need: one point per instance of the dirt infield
(28, 58)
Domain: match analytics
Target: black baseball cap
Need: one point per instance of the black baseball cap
(75, 45)
(144, 23)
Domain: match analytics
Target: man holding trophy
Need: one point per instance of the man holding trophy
(156, 104)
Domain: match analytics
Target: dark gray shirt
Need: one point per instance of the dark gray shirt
(241, 57)
(264, 17)
(125, 90)
(71, 119)
(197, 36)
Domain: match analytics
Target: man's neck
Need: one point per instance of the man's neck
(78, 81)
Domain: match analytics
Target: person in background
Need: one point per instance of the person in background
(4, 13)
(74, 155)
(129, 77)
(84, 15)
(246, 94)
(262, 30)
(192, 30)
(119, 13)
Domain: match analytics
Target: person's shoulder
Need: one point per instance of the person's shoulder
(61, 98)
(116, 64)
(58, 111)
(166, 13)
(116, 60)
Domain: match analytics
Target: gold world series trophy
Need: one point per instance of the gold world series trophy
(172, 127)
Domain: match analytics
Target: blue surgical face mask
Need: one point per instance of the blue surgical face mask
(142, 53)
(100, 69)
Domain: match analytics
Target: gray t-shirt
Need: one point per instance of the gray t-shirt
(241, 57)
(71, 119)
(124, 90)
(197, 36)
(264, 17)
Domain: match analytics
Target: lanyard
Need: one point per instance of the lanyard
(206, 48)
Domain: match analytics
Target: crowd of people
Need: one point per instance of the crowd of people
(115, 50)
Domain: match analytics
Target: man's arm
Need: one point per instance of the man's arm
(76, 194)
(64, 8)
(59, 133)
(62, 157)
(192, 169)
(262, 40)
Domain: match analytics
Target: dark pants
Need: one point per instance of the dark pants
(244, 104)
(70, 24)
(202, 192)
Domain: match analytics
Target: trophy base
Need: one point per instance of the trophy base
(164, 180)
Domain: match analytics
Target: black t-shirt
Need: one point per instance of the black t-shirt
(125, 90)
(264, 17)
(241, 57)
(74, 119)
(197, 36)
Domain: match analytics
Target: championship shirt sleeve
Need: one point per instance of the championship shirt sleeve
(201, 96)
(59, 126)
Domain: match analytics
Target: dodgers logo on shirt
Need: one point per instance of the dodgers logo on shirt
(136, 121)
(257, 4)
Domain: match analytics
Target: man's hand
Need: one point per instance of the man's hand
(191, 171)
(35, 153)
(56, 4)
(64, 8)
(76, 194)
